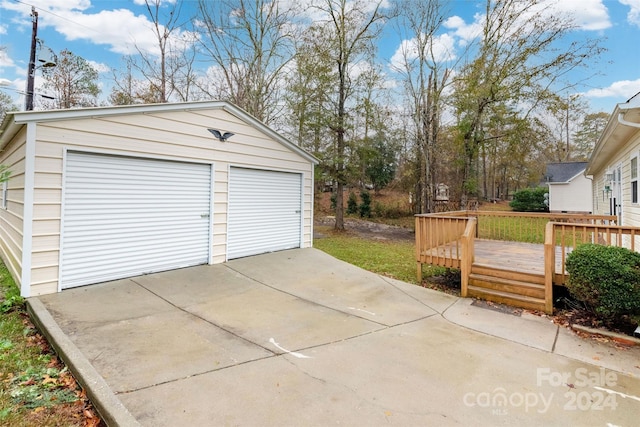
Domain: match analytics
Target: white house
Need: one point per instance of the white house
(104, 193)
(615, 167)
(569, 189)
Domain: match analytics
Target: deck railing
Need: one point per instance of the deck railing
(438, 235)
(527, 227)
(564, 238)
(447, 239)
(438, 239)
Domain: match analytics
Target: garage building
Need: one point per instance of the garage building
(99, 194)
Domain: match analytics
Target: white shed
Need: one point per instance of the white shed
(100, 194)
(569, 188)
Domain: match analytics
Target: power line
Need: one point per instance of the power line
(58, 16)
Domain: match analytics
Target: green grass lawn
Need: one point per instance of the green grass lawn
(529, 230)
(36, 389)
(394, 259)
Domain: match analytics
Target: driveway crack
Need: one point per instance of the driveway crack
(384, 279)
(348, 313)
(204, 319)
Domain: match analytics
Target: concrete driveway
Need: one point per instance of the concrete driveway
(300, 338)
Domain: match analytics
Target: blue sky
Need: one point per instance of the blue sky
(102, 31)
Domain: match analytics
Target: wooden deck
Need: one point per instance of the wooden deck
(495, 263)
(506, 272)
(516, 256)
(525, 257)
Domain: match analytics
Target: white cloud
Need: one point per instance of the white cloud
(99, 66)
(120, 29)
(311, 10)
(443, 50)
(466, 32)
(634, 11)
(142, 2)
(5, 61)
(623, 89)
(589, 15)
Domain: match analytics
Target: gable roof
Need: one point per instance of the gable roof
(622, 125)
(563, 172)
(15, 120)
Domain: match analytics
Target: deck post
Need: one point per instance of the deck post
(466, 261)
(549, 266)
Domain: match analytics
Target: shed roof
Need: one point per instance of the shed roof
(564, 172)
(15, 120)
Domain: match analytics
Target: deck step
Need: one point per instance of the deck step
(517, 287)
(520, 276)
(506, 298)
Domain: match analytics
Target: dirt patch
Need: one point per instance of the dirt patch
(369, 230)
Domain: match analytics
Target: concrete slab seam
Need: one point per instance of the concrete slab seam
(177, 307)
(111, 410)
(274, 355)
(384, 279)
(555, 340)
(197, 374)
(348, 313)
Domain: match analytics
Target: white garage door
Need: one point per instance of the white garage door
(126, 216)
(264, 212)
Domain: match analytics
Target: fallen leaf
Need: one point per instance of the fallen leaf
(49, 380)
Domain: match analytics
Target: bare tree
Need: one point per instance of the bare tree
(350, 29)
(307, 100)
(249, 43)
(561, 115)
(587, 134)
(167, 70)
(124, 91)
(425, 78)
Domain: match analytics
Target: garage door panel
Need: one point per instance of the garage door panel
(126, 216)
(264, 211)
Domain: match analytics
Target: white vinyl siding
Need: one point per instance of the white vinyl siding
(264, 211)
(173, 133)
(126, 216)
(11, 218)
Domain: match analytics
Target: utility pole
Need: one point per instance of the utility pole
(31, 74)
(567, 127)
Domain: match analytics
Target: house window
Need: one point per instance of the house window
(5, 190)
(634, 180)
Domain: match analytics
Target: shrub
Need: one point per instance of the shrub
(391, 211)
(352, 204)
(378, 210)
(606, 279)
(530, 200)
(334, 201)
(365, 206)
